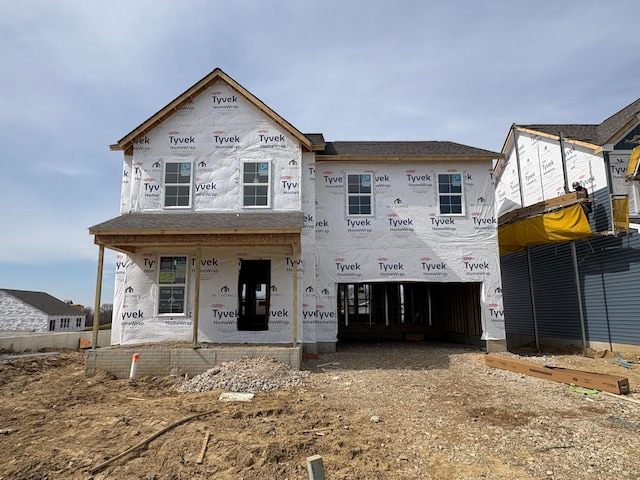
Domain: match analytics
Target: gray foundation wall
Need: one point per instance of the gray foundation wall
(164, 362)
(20, 341)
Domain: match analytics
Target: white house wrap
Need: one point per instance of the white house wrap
(204, 177)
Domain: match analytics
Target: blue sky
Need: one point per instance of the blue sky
(77, 75)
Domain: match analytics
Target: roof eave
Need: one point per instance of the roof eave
(194, 231)
(400, 158)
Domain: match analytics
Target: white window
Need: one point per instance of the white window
(64, 323)
(359, 194)
(177, 184)
(172, 285)
(450, 201)
(256, 184)
(78, 322)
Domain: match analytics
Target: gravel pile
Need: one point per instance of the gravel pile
(246, 375)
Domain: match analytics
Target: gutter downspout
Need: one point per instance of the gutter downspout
(296, 258)
(532, 291)
(574, 256)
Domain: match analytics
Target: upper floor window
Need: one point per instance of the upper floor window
(256, 184)
(177, 184)
(450, 194)
(172, 284)
(359, 194)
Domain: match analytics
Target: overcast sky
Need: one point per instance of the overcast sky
(78, 75)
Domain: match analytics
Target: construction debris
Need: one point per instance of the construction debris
(248, 375)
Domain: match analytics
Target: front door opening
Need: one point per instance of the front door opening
(253, 294)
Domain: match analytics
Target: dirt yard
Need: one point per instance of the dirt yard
(375, 411)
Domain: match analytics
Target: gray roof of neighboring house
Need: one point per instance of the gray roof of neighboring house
(617, 121)
(405, 149)
(201, 221)
(598, 134)
(583, 133)
(44, 302)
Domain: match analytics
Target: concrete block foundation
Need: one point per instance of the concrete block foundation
(180, 361)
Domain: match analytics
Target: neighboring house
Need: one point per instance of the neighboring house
(235, 227)
(570, 276)
(26, 311)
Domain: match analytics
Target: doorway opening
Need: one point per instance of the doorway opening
(253, 294)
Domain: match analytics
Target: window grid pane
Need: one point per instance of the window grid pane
(450, 193)
(255, 178)
(359, 194)
(177, 184)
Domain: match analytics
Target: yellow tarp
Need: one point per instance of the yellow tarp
(567, 224)
(620, 212)
(633, 162)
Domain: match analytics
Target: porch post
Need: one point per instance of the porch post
(196, 300)
(96, 309)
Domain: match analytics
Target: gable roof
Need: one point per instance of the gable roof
(156, 119)
(388, 151)
(596, 134)
(618, 122)
(44, 302)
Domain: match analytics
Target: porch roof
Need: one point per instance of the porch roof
(130, 232)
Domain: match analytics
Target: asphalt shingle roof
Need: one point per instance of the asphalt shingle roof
(405, 149)
(583, 133)
(598, 134)
(44, 302)
(200, 221)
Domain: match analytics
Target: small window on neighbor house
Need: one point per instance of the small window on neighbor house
(256, 182)
(64, 323)
(52, 325)
(450, 194)
(359, 194)
(78, 323)
(172, 285)
(177, 184)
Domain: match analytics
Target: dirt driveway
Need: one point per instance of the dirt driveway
(374, 411)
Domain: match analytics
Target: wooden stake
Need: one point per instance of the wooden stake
(204, 447)
(626, 399)
(315, 467)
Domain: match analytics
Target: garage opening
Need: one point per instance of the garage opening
(409, 311)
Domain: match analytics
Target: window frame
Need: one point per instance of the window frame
(350, 195)
(183, 284)
(459, 194)
(166, 184)
(250, 184)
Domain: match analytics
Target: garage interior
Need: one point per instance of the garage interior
(412, 311)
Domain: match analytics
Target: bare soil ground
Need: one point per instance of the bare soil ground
(372, 411)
